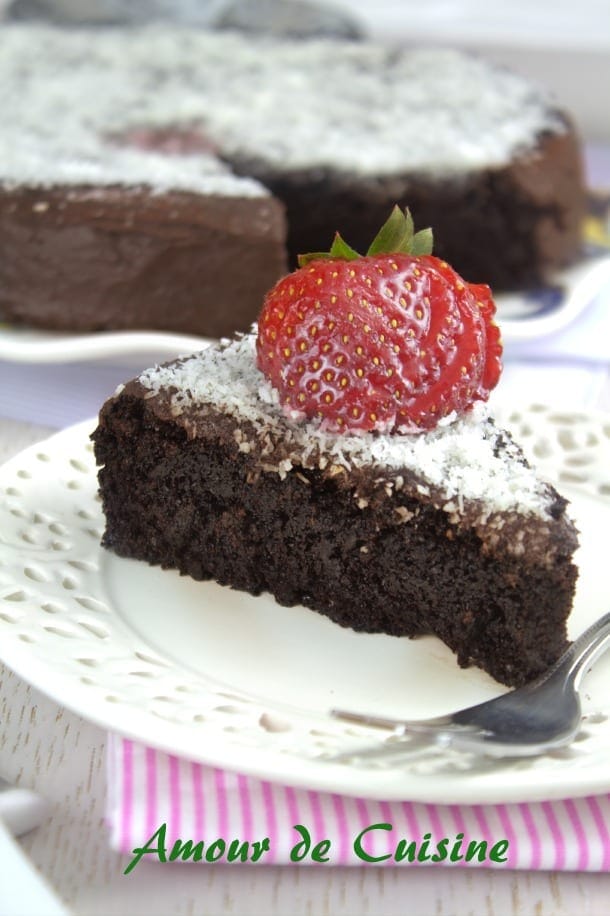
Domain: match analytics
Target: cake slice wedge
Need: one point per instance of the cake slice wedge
(449, 532)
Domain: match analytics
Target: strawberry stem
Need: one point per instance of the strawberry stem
(396, 236)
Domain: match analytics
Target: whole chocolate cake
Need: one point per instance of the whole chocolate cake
(148, 166)
(447, 532)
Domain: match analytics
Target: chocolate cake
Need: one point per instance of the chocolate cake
(447, 532)
(148, 165)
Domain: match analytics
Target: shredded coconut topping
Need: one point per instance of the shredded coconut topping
(456, 459)
(431, 111)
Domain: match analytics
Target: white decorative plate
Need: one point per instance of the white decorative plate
(221, 677)
(535, 313)
(31, 345)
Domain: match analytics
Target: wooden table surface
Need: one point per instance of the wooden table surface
(45, 747)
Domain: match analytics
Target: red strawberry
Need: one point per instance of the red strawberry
(392, 341)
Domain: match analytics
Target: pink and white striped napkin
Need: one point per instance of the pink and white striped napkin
(148, 788)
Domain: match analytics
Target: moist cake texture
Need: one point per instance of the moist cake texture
(447, 532)
(246, 128)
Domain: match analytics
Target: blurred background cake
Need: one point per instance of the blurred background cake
(163, 176)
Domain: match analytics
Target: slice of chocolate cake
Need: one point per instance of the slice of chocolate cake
(447, 532)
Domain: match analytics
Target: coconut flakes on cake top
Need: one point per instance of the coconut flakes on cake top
(432, 111)
(456, 459)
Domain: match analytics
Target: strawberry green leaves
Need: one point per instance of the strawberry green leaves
(396, 236)
(339, 249)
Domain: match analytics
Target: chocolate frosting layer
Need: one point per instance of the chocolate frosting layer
(87, 259)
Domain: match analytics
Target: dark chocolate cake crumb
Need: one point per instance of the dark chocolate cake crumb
(207, 489)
